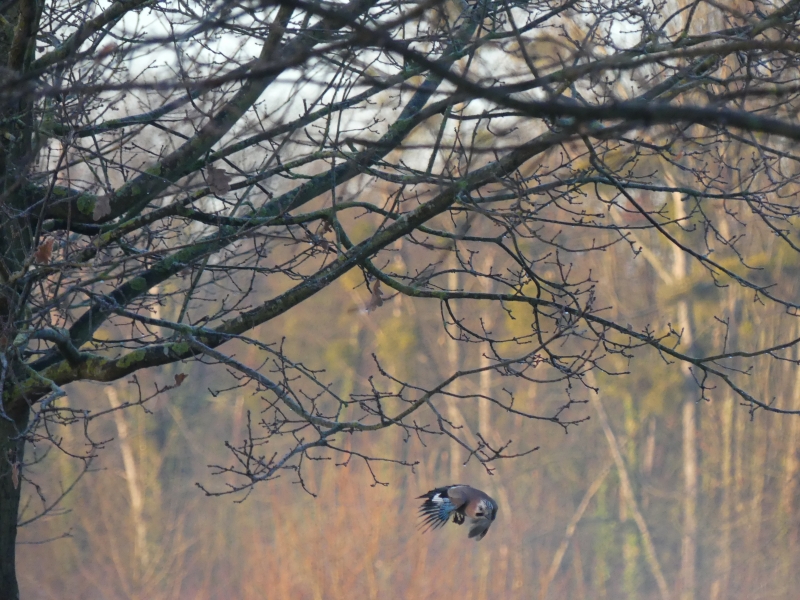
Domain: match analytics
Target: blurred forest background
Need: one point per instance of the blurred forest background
(137, 527)
(653, 487)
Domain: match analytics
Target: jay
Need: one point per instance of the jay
(464, 503)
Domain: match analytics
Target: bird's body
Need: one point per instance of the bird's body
(463, 503)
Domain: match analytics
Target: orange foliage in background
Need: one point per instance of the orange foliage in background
(357, 539)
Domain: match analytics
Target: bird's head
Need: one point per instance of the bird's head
(486, 510)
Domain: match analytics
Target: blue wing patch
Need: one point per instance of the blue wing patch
(437, 509)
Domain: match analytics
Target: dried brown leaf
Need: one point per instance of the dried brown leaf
(376, 298)
(106, 50)
(102, 207)
(179, 378)
(44, 252)
(218, 180)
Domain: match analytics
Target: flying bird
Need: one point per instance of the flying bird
(464, 503)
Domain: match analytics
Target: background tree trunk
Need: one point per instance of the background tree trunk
(630, 537)
(721, 583)
(680, 272)
(689, 538)
(787, 520)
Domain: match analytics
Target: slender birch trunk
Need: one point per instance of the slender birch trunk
(454, 361)
(680, 271)
(631, 575)
(135, 493)
(689, 538)
(789, 490)
(722, 580)
(484, 405)
(758, 465)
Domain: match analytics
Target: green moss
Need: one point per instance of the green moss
(139, 284)
(95, 364)
(179, 347)
(85, 204)
(131, 358)
(59, 372)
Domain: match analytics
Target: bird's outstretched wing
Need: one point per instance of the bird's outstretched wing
(439, 506)
(479, 529)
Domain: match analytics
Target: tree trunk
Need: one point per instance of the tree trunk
(454, 362)
(724, 563)
(135, 493)
(17, 152)
(689, 540)
(680, 271)
(631, 576)
(484, 405)
(789, 492)
(11, 451)
(758, 564)
(603, 544)
(738, 531)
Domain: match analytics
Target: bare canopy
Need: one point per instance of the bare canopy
(176, 175)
